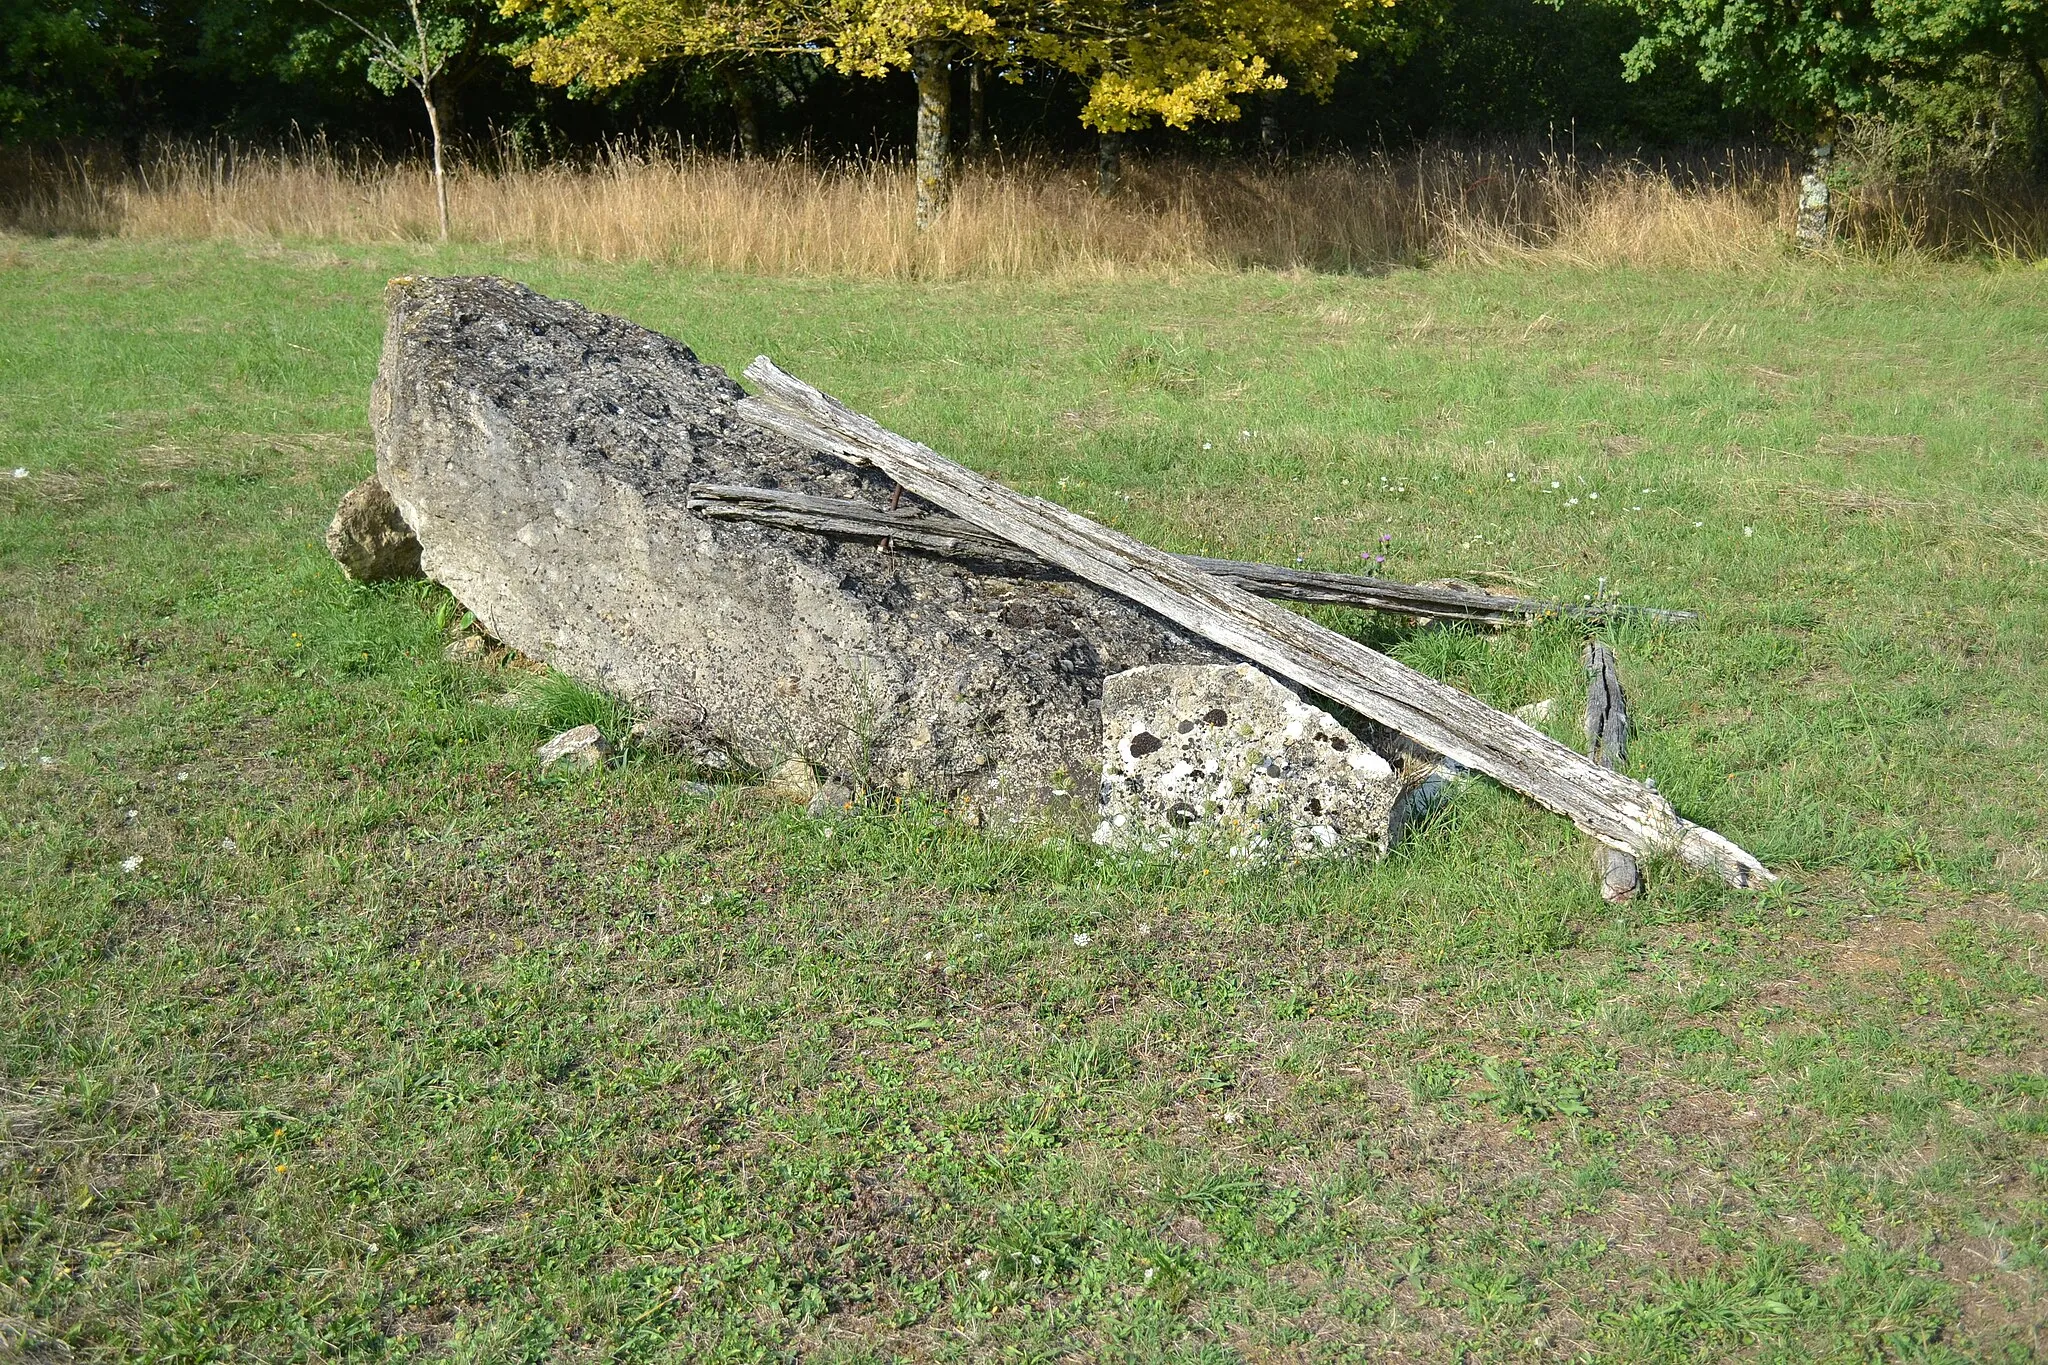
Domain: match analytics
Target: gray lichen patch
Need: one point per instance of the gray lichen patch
(1227, 756)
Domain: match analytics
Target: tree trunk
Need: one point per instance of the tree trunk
(747, 114)
(928, 62)
(1621, 813)
(1814, 225)
(977, 110)
(2038, 69)
(423, 81)
(440, 176)
(1269, 125)
(1109, 164)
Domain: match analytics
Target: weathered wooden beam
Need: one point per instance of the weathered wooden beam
(1619, 812)
(937, 533)
(1607, 744)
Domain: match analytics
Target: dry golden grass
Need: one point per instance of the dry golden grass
(1018, 218)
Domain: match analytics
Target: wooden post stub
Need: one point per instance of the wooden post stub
(1616, 872)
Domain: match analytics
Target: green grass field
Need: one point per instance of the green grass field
(331, 1032)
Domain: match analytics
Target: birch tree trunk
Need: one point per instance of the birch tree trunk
(928, 62)
(1814, 225)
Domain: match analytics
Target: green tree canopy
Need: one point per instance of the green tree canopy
(1807, 63)
(63, 65)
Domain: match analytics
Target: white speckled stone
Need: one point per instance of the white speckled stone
(1226, 755)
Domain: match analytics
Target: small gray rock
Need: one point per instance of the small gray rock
(1226, 755)
(369, 538)
(583, 748)
(467, 649)
(671, 739)
(794, 780)
(831, 799)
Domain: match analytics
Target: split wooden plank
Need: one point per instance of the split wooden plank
(1607, 744)
(1621, 813)
(937, 533)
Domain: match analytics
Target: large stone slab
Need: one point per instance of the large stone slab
(1226, 756)
(543, 455)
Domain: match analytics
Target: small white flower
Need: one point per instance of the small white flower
(1150, 1271)
(826, 832)
(982, 1275)
(1207, 446)
(1571, 502)
(1553, 483)
(1749, 530)
(1511, 476)
(46, 761)
(1144, 930)
(184, 777)
(1081, 940)
(927, 957)
(705, 899)
(1036, 1261)
(371, 1248)
(1698, 524)
(1594, 496)
(1232, 1117)
(131, 816)
(1245, 435)
(21, 473)
(1635, 509)
(227, 845)
(131, 864)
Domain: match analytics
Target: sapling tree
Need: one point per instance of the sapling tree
(414, 60)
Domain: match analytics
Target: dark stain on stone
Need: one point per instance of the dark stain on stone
(1181, 815)
(1217, 717)
(1339, 745)
(1145, 742)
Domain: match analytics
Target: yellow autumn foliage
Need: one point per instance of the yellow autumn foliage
(1167, 61)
